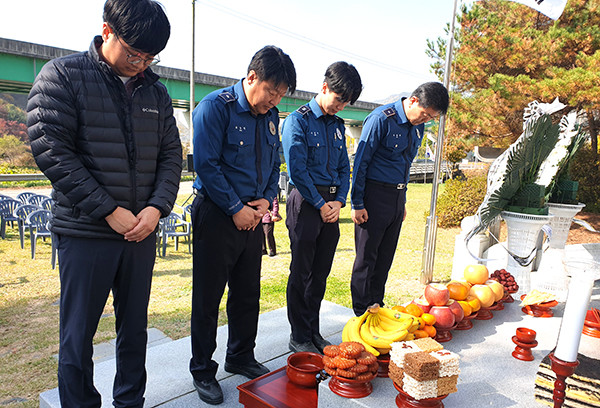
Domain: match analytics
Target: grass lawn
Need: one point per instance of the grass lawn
(29, 292)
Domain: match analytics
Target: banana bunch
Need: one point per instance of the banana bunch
(379, 327)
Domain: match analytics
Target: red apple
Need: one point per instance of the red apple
(457, 309)
(444, 317)
(422, 303)
(436, 294)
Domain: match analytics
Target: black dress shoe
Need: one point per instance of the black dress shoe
(209, 391)
(297, 347)
(272, 253)
(250, 370)
(319, 342)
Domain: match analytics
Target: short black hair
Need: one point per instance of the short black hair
(142, 24)
(272, 64)
(343, 79)
(434, 95)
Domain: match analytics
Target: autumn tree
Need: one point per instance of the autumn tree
(507, 55)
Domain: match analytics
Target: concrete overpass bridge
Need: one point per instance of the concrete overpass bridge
(20, 62)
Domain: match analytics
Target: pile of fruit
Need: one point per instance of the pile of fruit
(506, 279)
(350, 360)
(379, 327)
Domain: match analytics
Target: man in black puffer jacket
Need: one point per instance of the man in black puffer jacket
(102, 130)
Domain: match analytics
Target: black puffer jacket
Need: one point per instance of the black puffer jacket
(99, 147)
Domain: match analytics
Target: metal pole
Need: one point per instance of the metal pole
(192, 74)
(431, 227)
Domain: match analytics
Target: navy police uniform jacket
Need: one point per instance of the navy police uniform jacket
(231, 168)
(314, 146)
(388, 144)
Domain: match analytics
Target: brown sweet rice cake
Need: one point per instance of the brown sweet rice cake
(395, 373)
(422, 366)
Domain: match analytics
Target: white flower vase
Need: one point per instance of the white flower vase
(551, 275)
(562, 217)
(523, 231)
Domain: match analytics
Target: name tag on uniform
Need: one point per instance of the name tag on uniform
(338, 134)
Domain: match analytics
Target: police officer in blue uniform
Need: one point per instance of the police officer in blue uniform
(388, 144)
(236, 158)
(314, 145)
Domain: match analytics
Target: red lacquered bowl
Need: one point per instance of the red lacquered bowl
(525, 335)
(303, 367)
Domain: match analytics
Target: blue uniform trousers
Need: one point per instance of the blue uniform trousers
(375, 243)
(313, 245)
(223, 255)
(89, 270)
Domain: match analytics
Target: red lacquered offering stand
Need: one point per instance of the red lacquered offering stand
(384, 365)
(508, 298)
(541, 310)
(466, 323)
(347, 388)
(275, 390)
(523, 350)
(444, 334)
(591, 326)
(403, 400)
(485, 313)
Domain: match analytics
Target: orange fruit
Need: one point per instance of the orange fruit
(419, 334)
(399, 308)
(457, 290)
(429, 318)
(466, 307)
(414, 310)
(474, 303)
(431, 331)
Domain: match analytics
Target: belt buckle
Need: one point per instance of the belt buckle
(400, 186)
(332, 189)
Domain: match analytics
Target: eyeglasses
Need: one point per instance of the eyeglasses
(135, 59)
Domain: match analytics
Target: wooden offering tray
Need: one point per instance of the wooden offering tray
(403, 400)
(444, 333)
(539, 310)
(275, 390)
(523, 350)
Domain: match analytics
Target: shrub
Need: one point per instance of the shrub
(585, 168)
(460, 199)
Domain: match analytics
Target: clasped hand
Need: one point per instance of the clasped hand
(134, 228)
(251, 214)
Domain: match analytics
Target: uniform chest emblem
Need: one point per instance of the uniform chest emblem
(338, 134)
(272, 127)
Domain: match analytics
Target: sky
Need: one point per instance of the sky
(384, 39)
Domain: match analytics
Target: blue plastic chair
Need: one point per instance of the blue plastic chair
(22, 212)
(174, 226)
(22, 197)
(7, 209)
(39, 222)
(37, 199)
(47, 204)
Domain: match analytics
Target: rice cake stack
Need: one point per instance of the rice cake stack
(423, 369)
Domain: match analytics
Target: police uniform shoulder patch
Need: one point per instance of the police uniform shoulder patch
(389, 112)
(303, 110)
(227, 96)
